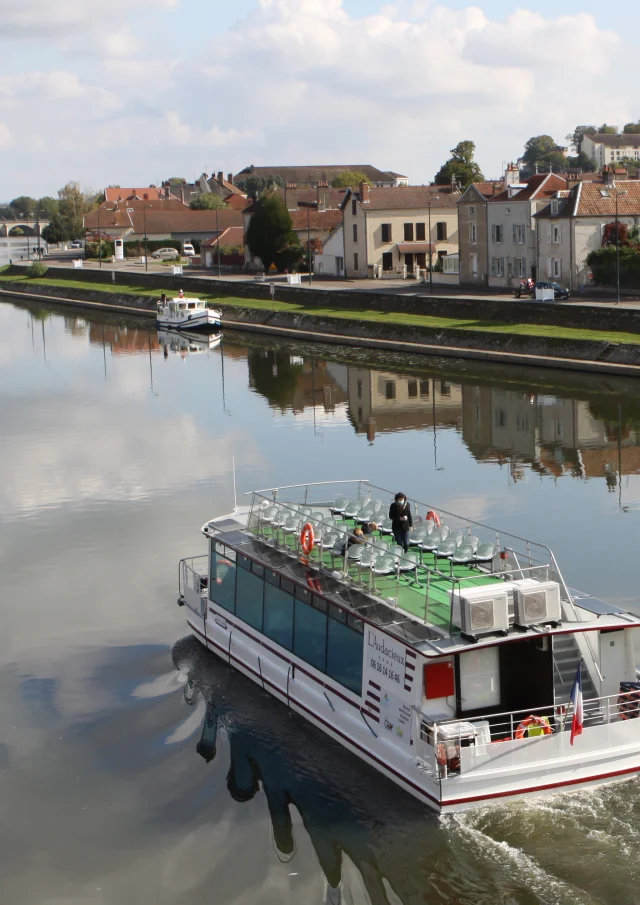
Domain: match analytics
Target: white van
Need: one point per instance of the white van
(188, 250)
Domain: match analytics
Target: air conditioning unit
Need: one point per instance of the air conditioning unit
(537, 605)
(481, 610)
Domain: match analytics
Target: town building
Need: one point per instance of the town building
(311, 226)
(511, 228)
(225, 248)
(116, 193)
(607, 150)
(572, 224)
(473, 232)
(312, 175)
(158, 220)
(389, 229)
(329, 261)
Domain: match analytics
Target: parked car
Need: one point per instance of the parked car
(166, 254)
(559, 292)
(76, 244)
(188, 250)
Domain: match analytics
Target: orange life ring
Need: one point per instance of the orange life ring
(307, 538)
(532, 721)
(431, 515)
(628, 706)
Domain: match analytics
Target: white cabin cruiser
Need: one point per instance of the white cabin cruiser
(184, 313)
(465, 670)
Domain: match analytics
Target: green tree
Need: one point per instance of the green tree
(175, 180)
(575, 138)
(207, 201)
(270, 236)
(48, 207)
(255, 186)
(537, 149)
(581, 161)
(606, 129)
(632, 128)
(72, 206)
(350, 179)
(53, 232)
(461, 166)
(23, 206)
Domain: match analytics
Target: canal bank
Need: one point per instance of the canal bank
(564, 346)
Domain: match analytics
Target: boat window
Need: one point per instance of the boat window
(344, 655)
(191, 305)
(244, 563)
(318, 603)
(303, 594)
(310, 635)
(287, 585)
(479, 679)
(257, 569)
(278, 616)
(249, 595)
(182, 306)
(336, 613)
(272, 577)
(222, 581)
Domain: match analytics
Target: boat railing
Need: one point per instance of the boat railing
(193, 582)
(445, 742)
(278, 525)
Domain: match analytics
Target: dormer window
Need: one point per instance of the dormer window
(554, 207)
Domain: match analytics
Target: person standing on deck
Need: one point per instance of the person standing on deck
(401, 520)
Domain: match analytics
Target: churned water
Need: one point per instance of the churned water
(134, 766)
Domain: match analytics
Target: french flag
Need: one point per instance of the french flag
(576, 700)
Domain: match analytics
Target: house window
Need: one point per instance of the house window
(390, 389)
(355, 232)
(356, 263)
(555, 267)
(354, 208)
(519, 233)
(554, 207)
(445, 388)
(473, 233)
(450, 264)
(501, 418)
(497, 267)
(472, 210)
(412, 389)
(339, 265)
(497, 233)
(473, 265)
(441, 232)
(408, 232)
(420, 232)
(386, 232)
(556, 233)
(387, 260)
(424, 389)
(359, 389)
(521, 267)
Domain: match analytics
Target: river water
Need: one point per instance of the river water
(136, 767)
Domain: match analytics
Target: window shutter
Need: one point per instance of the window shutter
(493, 232)
(559, 233)
(549, 267)
(549, 233)
(514, 233)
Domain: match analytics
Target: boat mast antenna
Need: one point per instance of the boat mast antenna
(233, 467)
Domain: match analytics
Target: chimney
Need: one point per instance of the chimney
(608, 176)
(230, 178)
(511, 175)
(182, 193)
(220, 177)
(364, 192)
(573, 181)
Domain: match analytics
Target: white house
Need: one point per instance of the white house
(330, 261)
(607, 150)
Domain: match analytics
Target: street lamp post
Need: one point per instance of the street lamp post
(99, 240)
(146, 250)
(217, 241)
(430, 251)
(617, 252)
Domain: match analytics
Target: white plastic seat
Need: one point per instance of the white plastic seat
(409, 561)
(417, 536)
(395, 550)
(352, 508)
(462, 555)
(485, 553)
(384, 565)
(339, 504)
(385, 527)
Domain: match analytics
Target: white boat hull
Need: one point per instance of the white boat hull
(189, 320)
(516, 769)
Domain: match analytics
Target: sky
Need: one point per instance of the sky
(131, 92)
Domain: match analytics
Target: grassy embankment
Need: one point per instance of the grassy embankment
(410, 320)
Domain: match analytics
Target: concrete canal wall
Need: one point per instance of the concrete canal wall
(620, 358)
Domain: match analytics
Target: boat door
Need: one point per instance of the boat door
(616, 660)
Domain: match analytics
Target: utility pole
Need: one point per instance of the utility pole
(217, 242)
(146, 250)
(430, 251)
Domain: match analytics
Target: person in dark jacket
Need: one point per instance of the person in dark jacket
(401, 520)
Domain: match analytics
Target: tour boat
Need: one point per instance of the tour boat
(184, 313)
(465, 670)
(185, 344)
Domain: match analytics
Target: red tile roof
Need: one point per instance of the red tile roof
(537, 188)
(233, 235)
(599, 200)
(317, 219)
(114, 193)
(160, 221)
(409, 197)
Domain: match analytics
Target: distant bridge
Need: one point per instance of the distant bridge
(28, 225)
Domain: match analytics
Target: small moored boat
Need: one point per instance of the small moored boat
(466, 670)
(184, 313)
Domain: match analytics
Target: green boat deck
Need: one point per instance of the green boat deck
(422, 593)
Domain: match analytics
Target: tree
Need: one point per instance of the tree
(72, 206)
(270, 236)
(605, 129)
(461, 166)
(207, 201)
(53, 232)
(575, 138)
(537, 149)
(255, 186)
(609, 234)
(350, 179)
(632, 128)
(47, 207)
(175, 180)
(24, 206)
(582, 162)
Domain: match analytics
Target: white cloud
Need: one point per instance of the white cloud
(302, 81)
